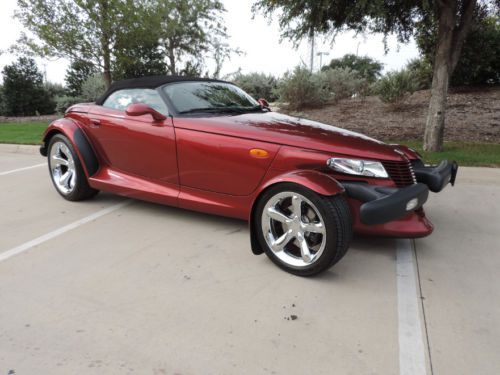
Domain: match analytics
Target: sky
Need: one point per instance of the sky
(258, 38)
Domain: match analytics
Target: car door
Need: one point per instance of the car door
(219, 163)
(135, 145)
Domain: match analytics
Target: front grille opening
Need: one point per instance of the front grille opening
(401, 172)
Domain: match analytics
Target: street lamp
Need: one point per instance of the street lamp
(321, 54)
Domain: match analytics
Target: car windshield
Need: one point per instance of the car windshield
(209, 97)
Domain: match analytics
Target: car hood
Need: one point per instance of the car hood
(293, 131)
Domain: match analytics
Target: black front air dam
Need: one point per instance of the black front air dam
(384, 204)
(438, 176)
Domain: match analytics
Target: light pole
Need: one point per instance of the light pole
(312, 51)
(321, 54)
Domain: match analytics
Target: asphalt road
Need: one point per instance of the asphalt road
(114, 286)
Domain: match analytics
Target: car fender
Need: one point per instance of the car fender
(73, 131)
(318, 182)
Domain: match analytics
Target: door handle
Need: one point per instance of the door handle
(95, 122)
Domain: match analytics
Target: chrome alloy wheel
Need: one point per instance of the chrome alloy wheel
(293, 229)
(62, 168)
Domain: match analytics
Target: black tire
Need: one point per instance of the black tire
(81, 189)
(337, 219)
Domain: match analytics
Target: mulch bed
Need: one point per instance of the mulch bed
(473, 115)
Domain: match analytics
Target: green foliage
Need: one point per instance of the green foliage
(258, 85)
(343, 83)
(367, 67)
(139, 60)
(422, 70)
(302, 89)
(77, 74)
(2, 102)
(23, 91)
(395, 86)
(134, 38)
(54, 89)
(479, 61)
(64, 102)
(190, 31)
(93, 88)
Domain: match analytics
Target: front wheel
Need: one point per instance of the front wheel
(66, 171)
(302, 232)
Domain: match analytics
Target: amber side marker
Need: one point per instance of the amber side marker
(259, 153)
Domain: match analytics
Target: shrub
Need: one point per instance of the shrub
(301, 88)
(395, 86)
(258, 85)
(343, 83)
(2, 104)
(93, 88)
(422, 70)
(367, 67)
(63, 102)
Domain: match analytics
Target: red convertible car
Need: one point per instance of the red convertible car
(208, 146)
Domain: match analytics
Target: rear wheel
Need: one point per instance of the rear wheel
(303, 232)
(66, 171)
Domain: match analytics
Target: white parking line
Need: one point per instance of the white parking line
(22, 169)
(411, 340)
(37, 241)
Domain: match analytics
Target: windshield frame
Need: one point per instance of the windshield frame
(211, 113)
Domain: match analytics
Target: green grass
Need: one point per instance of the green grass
(28, 133)
(468, 154)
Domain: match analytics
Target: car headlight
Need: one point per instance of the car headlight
(358, 167)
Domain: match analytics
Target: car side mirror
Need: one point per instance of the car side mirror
(263, 103)
(139, 109)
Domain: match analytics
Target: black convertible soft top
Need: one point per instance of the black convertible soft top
(150, 82)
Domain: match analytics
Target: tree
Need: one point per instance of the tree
(453, 18)
(367, 67)
(138, 61)
(23, 90)
(132, 37)
(189, 31)
(77, 74)
(83, 30)
(479, 62)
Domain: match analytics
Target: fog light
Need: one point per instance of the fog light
(411, 204)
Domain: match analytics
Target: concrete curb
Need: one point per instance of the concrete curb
(19, 149)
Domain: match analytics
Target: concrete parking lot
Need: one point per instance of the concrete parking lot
(114, 286)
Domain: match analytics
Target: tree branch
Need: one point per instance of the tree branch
(460, 33)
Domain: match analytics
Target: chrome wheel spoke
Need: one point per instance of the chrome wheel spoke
(72, 180)
(279, 244)
(59, 160)
(305, 252)
(64, 179)
(274, 214)
(297, 206)
(313, 228)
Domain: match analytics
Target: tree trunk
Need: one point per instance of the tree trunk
(105, 40)
(170, 50)
(450, 40)
(107, 70)
(434, 128)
